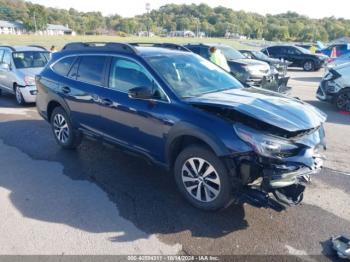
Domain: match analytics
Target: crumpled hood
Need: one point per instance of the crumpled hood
(272, 108)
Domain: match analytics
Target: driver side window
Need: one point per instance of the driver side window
(126, 74)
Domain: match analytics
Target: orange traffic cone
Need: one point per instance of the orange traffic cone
(334, 52)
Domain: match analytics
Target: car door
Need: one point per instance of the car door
(7, 76)
(81, 89)
(138, 124)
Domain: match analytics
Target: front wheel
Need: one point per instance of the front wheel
(19, 96)
(309, 66)
(342, 101)
(202, 178)
(63, 131)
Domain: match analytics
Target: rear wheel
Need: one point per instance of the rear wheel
(202, 178)
(309, 65)
(19, 97)
(63, 131)
(342, 101)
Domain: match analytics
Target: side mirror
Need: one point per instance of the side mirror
(141, 92)
(5, 67)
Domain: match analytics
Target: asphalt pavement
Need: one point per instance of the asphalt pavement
(99, 200)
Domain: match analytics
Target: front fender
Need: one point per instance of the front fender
(187, 129)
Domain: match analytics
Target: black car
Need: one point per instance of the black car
(298, 56)
(186, 114)
(247, 71)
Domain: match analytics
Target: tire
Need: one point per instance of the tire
(309, 66)
(342, 100)
(19, 97)
(64, 133)
(215, 188)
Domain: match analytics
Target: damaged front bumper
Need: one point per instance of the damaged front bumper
(284, 178)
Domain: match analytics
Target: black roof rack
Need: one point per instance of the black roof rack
(100, 46)
(38, 46)
(163, 45)
(7, 46)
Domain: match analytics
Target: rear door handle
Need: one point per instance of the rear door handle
(106, 102)
(65, 89)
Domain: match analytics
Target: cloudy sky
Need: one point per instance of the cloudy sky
(311, 8)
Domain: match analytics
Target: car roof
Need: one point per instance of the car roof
(20, 48)
(207, 44)
(146, 51)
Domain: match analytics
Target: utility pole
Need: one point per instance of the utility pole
(148, 9)
(36, 29)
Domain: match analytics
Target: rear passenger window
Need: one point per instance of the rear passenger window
(91, 69)
(62, 67)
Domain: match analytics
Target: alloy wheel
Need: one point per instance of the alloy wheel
(19, 97)
(200, 179)
(343, 101)
(308, 66)
(61, 128)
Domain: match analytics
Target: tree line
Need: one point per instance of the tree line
(213, 22)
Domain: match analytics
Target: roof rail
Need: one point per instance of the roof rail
(163, 45)
(38, 46)
(8, 46)
(100, 46)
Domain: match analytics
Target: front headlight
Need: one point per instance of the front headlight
(29, 80)
(264, 144)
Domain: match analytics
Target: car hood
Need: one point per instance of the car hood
(30, 71)
(274, 109)
(248, 61)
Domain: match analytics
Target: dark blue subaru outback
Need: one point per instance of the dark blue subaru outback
(186, 114)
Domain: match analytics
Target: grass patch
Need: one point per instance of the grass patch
(60, 41)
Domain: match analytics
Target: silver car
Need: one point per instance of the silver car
(18, 67)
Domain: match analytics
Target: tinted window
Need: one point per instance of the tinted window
(30, 59)
(73, 72)
(62, 67)
(204, 52)
(275, 50)
(91, 69)
(126, 74)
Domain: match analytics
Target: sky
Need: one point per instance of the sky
(129, 8)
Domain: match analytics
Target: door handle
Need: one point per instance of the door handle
(106, 102)
(65, 89)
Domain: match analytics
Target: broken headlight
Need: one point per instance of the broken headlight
(265, 144)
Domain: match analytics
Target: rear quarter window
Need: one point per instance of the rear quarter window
(63, 66)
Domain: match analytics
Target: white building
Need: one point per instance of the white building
(11, 28)
(57, 30)
(184, 33)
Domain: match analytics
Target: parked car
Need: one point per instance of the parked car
(18, 67)
(300, 57)
(185, 114)
(341, 49)
(278, 67)
(335, 87)
(334, 62)
(247, 71)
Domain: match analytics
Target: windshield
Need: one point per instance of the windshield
(230, 53)
(189, 75)
(260, 55)
(30, 59)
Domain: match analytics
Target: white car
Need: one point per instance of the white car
(335, 87)
(18, 67)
